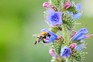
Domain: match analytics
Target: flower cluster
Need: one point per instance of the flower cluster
(61, 17)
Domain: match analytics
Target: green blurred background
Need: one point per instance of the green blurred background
(20, 19)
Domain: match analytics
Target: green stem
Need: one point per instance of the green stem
(58, 44)
(65, 34)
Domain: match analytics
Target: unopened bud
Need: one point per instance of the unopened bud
(72, 46)
(46, 4)
(67, 5)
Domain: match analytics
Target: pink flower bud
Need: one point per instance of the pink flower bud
(72, 46)
(46, 4)
(52, 53)
(67, 5)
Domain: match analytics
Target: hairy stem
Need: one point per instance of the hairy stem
(58, 44)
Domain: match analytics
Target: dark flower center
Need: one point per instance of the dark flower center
(55, 17)
(66, 51)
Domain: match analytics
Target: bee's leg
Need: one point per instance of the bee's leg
(44, 41)
(35, 42)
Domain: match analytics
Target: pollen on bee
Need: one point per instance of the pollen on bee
(43, 33)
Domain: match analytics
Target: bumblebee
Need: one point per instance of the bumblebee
(41, 37)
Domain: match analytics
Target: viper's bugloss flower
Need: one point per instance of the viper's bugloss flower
(52, 36)
(78, 14)
(66, 52)
(80, 47)
(54, 18)
(81, 34)
(46, 4)
(67, 5)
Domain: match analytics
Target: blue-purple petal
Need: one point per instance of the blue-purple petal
(77, 16)
(81, 34)
(78, 7)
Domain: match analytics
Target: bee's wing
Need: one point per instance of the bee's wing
(35, 35)
(37, 41)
